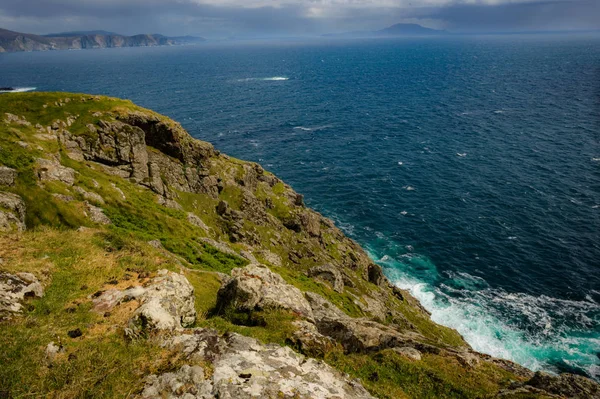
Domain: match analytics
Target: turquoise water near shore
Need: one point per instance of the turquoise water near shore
(469, 168)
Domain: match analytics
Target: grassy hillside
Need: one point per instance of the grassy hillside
(75, 258)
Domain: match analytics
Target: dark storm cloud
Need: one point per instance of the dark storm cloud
(296, 17)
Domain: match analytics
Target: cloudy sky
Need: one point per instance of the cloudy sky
(241, 18)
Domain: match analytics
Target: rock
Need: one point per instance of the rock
(14, 289)
(255, 287)
(375, 275)
(166, 304)
(156, 244)
(108, 299)
(196, 221)
(89, 196)
(359, 335)
(64, 198)
(311, 223)
(169, 203)
(12, 212)
(309, 341)
(244, 368)
(410, 353)
(7, 176)
(270, 257)
(19, 120)
(187, 382)
(51, 170)
(566, 385)
(52, 350)
(76, 333)
(96, 214)
(119, 191)
(328, 274)
(374, 307)
(221, 246)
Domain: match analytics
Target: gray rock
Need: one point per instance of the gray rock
(310, 341)
(169, 203)
(408, 352)
(89, 196)
(12, 212)
(96, 214)
(359, 334)
(566, 385)
(196, 221)
(245, 368)
(329, 274)
(19, 120)
(156, 244)
(7, 176)
(13, 291)
(270, 257)
(166, 304)
(52, 350)
(257, 287)
(52, 170)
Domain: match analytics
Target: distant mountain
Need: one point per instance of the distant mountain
(83, 33)
(408, 30)
(14, 41)
(394, 30)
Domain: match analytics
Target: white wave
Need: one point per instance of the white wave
(461, 154)
(400, 163)
(488, 318)
(404, 213)
(596, 159)
(18, 90)
(499, 111)
(409, 188)
(312, 129)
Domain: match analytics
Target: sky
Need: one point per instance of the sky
(265, 18)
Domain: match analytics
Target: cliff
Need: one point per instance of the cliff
(136, 261)
(15, 41)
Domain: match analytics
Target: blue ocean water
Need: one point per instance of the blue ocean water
(468, 167)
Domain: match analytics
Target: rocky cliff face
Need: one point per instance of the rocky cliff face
(139, 261)
(15, 41)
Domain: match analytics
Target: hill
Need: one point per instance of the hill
(136, 261)
(14, 41)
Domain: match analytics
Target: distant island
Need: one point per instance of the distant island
(394, 30)
(15, 41)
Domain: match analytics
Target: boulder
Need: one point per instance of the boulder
(52, 170)
(7, 176)
(96, 214)
(12, 212)
(375, 275)
(196, 221)
(408, 352)
(328, 274)
(14, 289)
(89, 196)
(243, 368)
(167, 303)
(255, 287)
(311, 223)
(359, 334)
(308, 340)
(566, 385)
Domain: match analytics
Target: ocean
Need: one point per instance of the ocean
(468, 167)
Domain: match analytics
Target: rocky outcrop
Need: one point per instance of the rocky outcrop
(328, 274)
(167, 303)
(96, 214)
(52, 170)
(7, 176)
(255, 287)
(12, 212)
(14, 290)
(244, 368)
(563, 386)
(360, 334)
